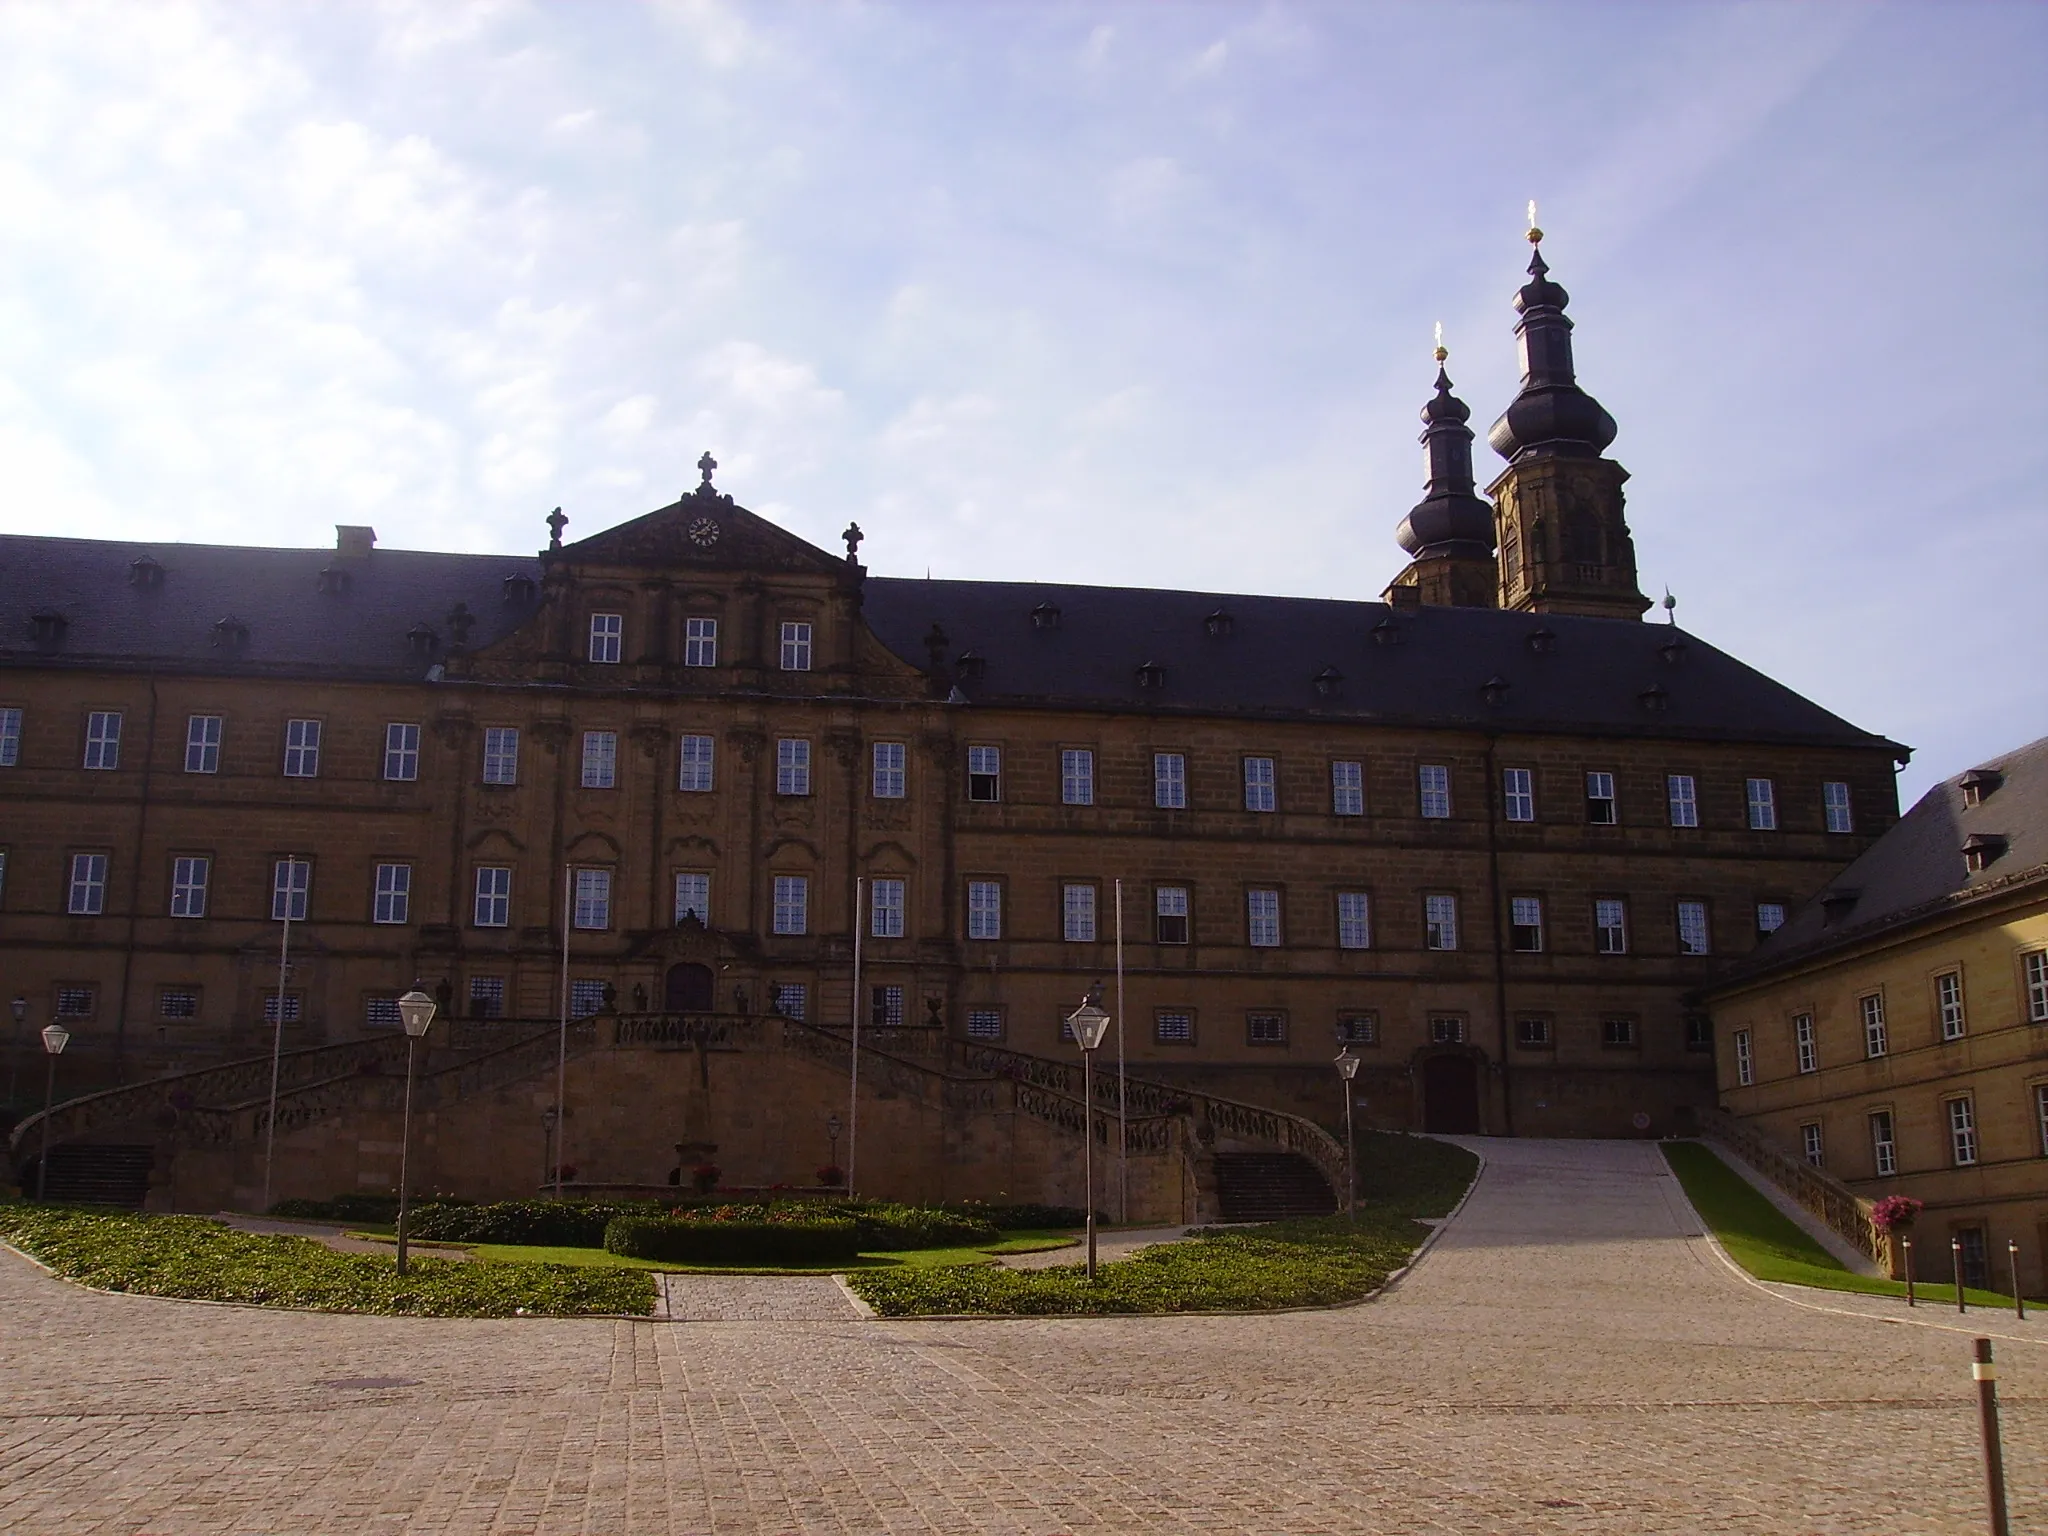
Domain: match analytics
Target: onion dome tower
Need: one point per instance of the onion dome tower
(1449, 533)
(1558, 507)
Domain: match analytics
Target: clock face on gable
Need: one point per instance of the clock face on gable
(703, 532)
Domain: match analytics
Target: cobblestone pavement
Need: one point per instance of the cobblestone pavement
(1566, 1358)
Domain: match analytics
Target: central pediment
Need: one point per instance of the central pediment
(703, 530)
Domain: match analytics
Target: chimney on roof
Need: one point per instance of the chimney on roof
(352, 542)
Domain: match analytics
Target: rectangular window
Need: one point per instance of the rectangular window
(885, 909)
(3, 872)
(392, 901)
(1265, 1029)
(293, 1007)
(88, 895)
(1259, 793)
(1525, 925)
(1617, 1032)
(796, 647)
(302, 749)
(693, 896)
(984, 909)
(1518, 793)
(792, 767)
(1693, 935)
(501, 754)
(1962, 1132)
(1170, 913)
(1169, 781)
(1440, 922)
(486, 997)
(1347, 789)
(1077, 776)
(1077, 914)
(1600, 809)
(1610, 925)
(1682, 796)
(2035, 966)
(1770, 917)
(75, 1002)
(188, 886)
(1871, 1007)
(600, 759)
(1354, 920)
(401, 752)
(10, 737)
(885, 1007)
(586, 998)
(792, 904)
(493, 896)
(1446, 1029)
(1948, 1003)
(1262, 918)
(888, 779)
(1358, 1029)
(1834, 798)
(985, 774)
(984, 1023)
(177, 1003)
(1884, 1148)
(1804, 1048)
(700, 642)
(1810, 1144)
(1745, 1060)
(1532, 1034)
(1434, 780)
(695, 776)
(2041, 1114)
(291, 887)
(202, 743)
(791, 999)
(593, 898)
(1171, 1027)
(1699, 1032)
(1763, 805)
(103, 740)
(606, 632)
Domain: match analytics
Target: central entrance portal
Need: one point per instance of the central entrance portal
(1450, 1095)
(688, 989)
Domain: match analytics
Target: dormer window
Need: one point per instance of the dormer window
(230, 633)
(1979, 785)
(1219, 624)
(1836, 905)
(1386, 632)
(1495, 691)
(519, 589)
(48, 626)
(145, 575)
(420, 640)
(1981, 850)
(1151, 675)
(1045, 616)
(1673, 651)
(335, 580)
(1328, 681)
(971, 666)
(1543, 640)
(1656, 698)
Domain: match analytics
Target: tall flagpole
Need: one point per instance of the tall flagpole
(1123, 1136)
(562, 1049)
(853, 1082)
(284, 955)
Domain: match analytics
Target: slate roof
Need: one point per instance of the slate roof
(1916, 870)
(1593, 677)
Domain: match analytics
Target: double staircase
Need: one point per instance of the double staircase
(1270, 1186)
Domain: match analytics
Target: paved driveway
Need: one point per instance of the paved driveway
(1567, 1358)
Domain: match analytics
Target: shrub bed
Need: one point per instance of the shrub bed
(537, 1223)
(200, 1260)
(340, 1208)
(742, 1239)
(1012, 1218)
(889, 1227)
(1284, 1264)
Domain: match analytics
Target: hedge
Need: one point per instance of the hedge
(1012, 1218)
(893, 1227)
(678, 1240)
(539, 1223)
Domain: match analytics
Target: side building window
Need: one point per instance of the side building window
(1440, 921)
(1354, 920)
(1610, 925)
(693, 896)
(1875, 1039)
(796, 647)
(1600, 803)
(1077, 776)
(291, 890)
(607, 631)
(1169, 781)
(1347, 789)
(10, 737)
(792, 767)
(493, 896)
(985, 774)
(694, 775)
(1681, 799)
(188, 886)
(1259, 791)
(887, 782)
(1170, 911)
(87, 893)
(1525, 925)
(700, 642)
(984, 909)
(392, 898)
(600, 759)
(1834, 797)
(1518, 793)
(1763, 805)
(885, 909)
(792, 904)
(1077, 914)
(1434, 783)
(302, 749)
(1262, 917)
(103, 740)
(1694, 934)
(501, 754)
(1745, 1060)
(202, 744)
(401, 752)
(2034, 968)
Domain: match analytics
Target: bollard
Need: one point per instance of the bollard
(1909, 1272)
(1955, 1248)
(2012, 1256)
(1986, 1375)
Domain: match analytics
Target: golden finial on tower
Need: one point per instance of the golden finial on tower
(1441, 353)
(1535, 234)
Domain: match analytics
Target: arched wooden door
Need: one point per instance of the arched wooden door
(1450, 1095)
(688, 989)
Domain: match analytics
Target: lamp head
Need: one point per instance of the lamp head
(20, 1006)
(832, 1126)
(1089, 1024)
(416, 1012)
(55, 1038)
(1347, 1065)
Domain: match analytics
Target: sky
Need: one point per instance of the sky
(1137, 294)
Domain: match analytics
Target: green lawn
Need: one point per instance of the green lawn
(1771, 1246)
(599, 1258)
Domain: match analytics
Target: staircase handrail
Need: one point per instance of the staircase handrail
(1827, 1197)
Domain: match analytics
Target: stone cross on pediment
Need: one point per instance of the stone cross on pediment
(556, 523)
(853, 536)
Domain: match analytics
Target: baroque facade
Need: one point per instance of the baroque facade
(1488, 832)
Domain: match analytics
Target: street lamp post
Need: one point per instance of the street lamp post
(20, 1006)
(1090, 1022)
(415, 1012)
(55, 1038)
(1347, 1069)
